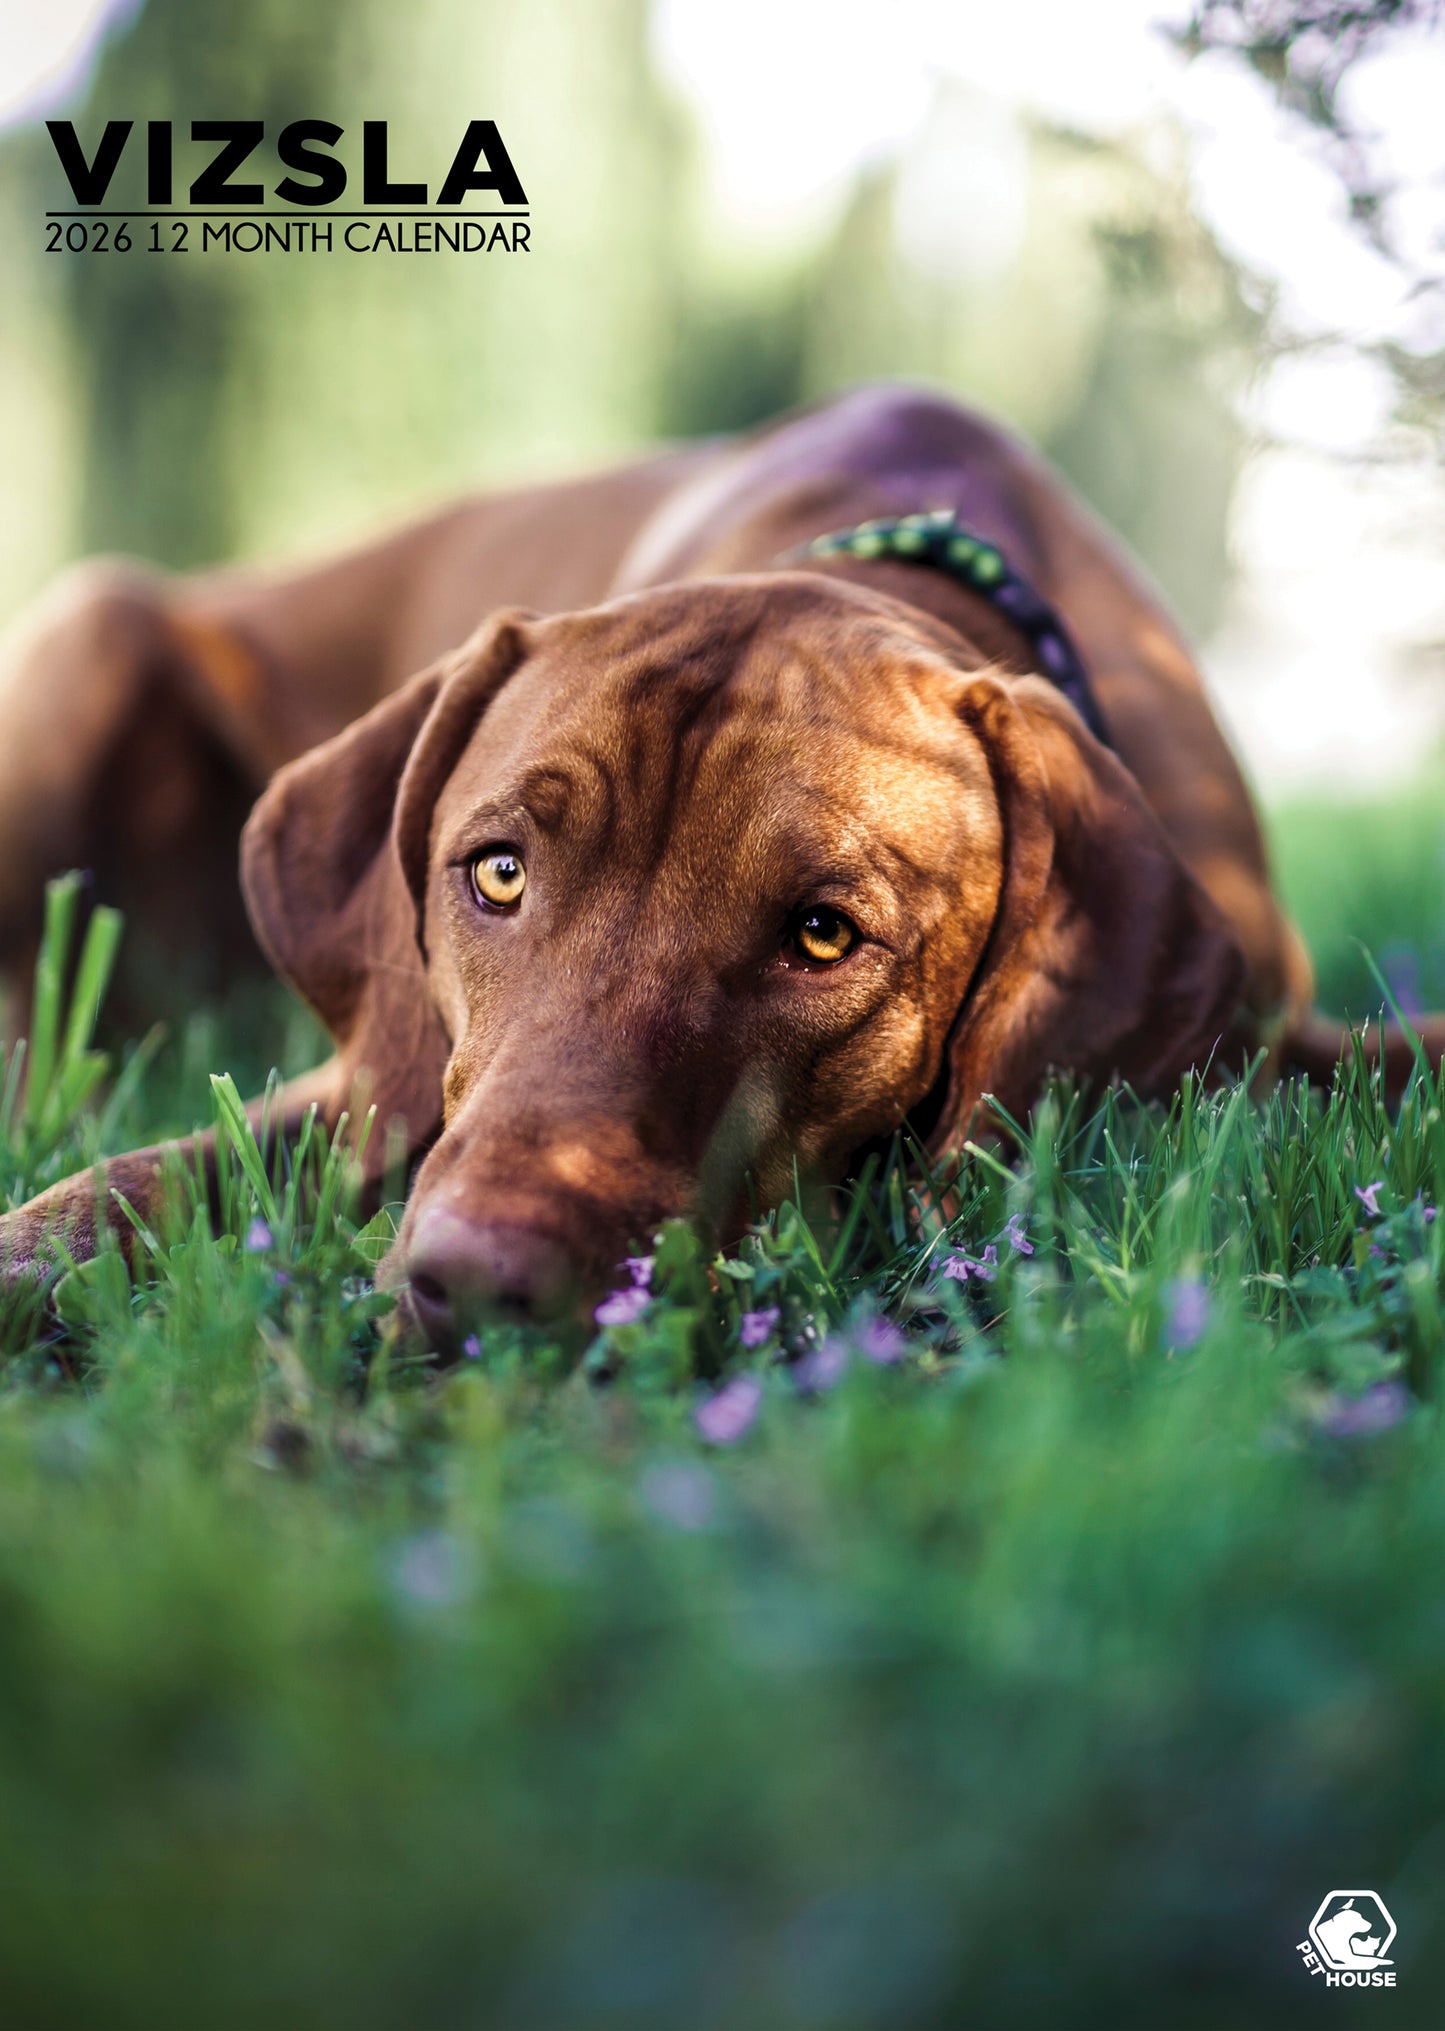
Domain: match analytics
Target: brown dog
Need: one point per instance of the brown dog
(712, 864)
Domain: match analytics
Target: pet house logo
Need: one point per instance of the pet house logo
(1349, 1942)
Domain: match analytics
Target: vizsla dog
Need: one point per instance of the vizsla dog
(695, 852)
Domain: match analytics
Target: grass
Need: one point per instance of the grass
(1049, 1674)
(1370, 873)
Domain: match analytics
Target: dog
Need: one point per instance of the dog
(726, 827)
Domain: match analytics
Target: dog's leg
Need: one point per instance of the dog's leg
(109, 761)
(82, 1209)
(1314, 1044)
(71, 675)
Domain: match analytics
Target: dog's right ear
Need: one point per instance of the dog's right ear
(328, 863)
(1106, 956)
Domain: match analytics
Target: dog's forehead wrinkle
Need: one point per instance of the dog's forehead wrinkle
(648, 744)
(667, 624)
(547, 791)
(838, 809)
(775, 638)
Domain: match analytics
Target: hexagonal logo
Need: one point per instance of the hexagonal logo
(1350, 1939)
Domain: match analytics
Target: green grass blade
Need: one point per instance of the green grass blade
(62, 898)
(232, 1121)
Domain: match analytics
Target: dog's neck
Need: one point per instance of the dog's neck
(941, 541)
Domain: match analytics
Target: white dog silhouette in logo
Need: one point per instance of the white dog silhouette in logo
(1339, 1938)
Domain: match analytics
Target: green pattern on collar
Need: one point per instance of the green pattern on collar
(939, 539)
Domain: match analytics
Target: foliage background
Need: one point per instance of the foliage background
(315, 397)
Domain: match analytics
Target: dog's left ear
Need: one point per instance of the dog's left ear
(1106, 956)
(333, 865)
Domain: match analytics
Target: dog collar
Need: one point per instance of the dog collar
(941, 540)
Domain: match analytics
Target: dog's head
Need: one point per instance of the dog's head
(639, 911)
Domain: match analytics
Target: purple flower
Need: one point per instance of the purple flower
(757, 1326)
(880, 1340)
(1401, 968)
(822, 1368)
(432, 1569)
(620, 1308)
(1427, 1213)
(680, 1493)
(962, 1267)
(1188, 1314)
(472, 1347)
(723, 1418)
(258, 1237)
(1018, 1241)
(1351, 1417)
(1369, 1197)
(639, 1268)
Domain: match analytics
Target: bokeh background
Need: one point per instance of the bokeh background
(1195, 253)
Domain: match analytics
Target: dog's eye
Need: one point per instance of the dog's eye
(822, 936)
(498, 878)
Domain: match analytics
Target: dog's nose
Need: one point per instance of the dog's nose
(462, 1271)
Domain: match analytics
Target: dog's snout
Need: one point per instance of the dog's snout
(462, 1271)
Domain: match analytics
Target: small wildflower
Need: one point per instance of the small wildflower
(472, 1347)
(880, 1340)
(621, 1308)
(725, 1417)
(962, 1267)
(639, 1268)
(431, 1569)
(1188, 1314)
(758, 1326)
(1382, 1405)
(258, 1237)
(680, 1493)
(1369, 1197)
(822, 1368)
(1401, 968)
(1427, 1213)
(1018, 1241)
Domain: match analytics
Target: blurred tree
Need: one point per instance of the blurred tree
(1112, 331)
(231, 404)
(157, 342)
(1306, 52)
